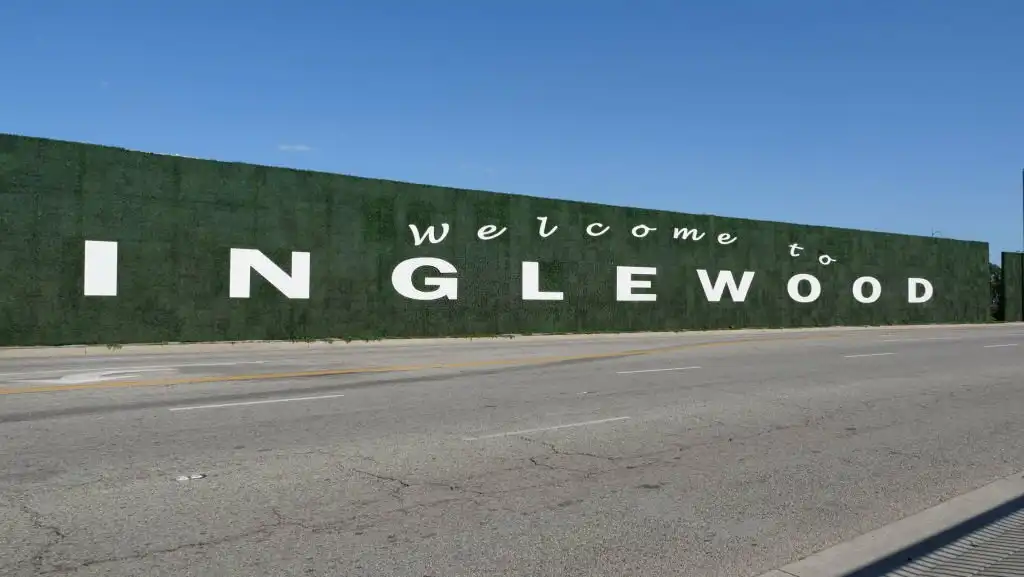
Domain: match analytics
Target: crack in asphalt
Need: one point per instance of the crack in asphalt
(402, 484)
(555, 450)
(359, 522)
(265, 530)
(56, 536)
(362, 521)
(387, 479)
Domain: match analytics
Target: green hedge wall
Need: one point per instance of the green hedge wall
(1013, 286)
(175, 220)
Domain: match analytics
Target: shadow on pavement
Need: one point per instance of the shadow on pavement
(901, 558)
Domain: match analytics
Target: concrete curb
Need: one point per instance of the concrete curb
(237, 346)
(849, 556)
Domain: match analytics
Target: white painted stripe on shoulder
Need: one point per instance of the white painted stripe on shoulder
(921, 339)
(245, 403)
(656, 370)
(542, 429)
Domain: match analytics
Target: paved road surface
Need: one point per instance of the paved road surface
(724, 454)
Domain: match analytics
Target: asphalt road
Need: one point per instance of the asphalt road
(723, 454)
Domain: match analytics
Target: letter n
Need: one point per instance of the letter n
(246, 260)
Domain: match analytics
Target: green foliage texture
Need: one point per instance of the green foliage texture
(176, 219)
(1013, 287)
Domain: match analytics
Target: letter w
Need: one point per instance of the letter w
(724, 280)
(418, 238)
(244, 260)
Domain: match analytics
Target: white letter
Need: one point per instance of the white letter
(531, 285)
(726, 238)
(793, 288)
(793, 248)
(685, 232)
(642, 230)
(544, 222)
(912, 284)
(624, 283)
(487, 232)
(591, 226)
(294, 286)
(723, 280)
(100, 277)
(858, 289)
(418, 238)
(401, 279)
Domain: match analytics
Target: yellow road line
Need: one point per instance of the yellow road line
(388, 369)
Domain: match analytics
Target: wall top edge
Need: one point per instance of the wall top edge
(44, 140)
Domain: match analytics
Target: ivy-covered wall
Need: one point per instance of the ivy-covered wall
(161, 269)
(1013, 286)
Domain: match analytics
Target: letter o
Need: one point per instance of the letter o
(793, 288)
(642, 230)
(858, 289)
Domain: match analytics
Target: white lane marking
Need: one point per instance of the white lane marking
(538, 430)
(223, 364)
(868, 355)
(656, 370)
(91, 376)
(100, 376)
(2, 375)
(998, 346)
(959, 338)
(922, 339)
(242, 404)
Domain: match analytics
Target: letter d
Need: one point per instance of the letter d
(912, 290)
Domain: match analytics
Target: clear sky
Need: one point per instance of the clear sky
(895, 115)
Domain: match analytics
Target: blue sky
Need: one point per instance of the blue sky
(903, 116)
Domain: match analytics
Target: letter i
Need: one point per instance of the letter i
(100, 274)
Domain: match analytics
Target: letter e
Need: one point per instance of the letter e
(624, 283)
